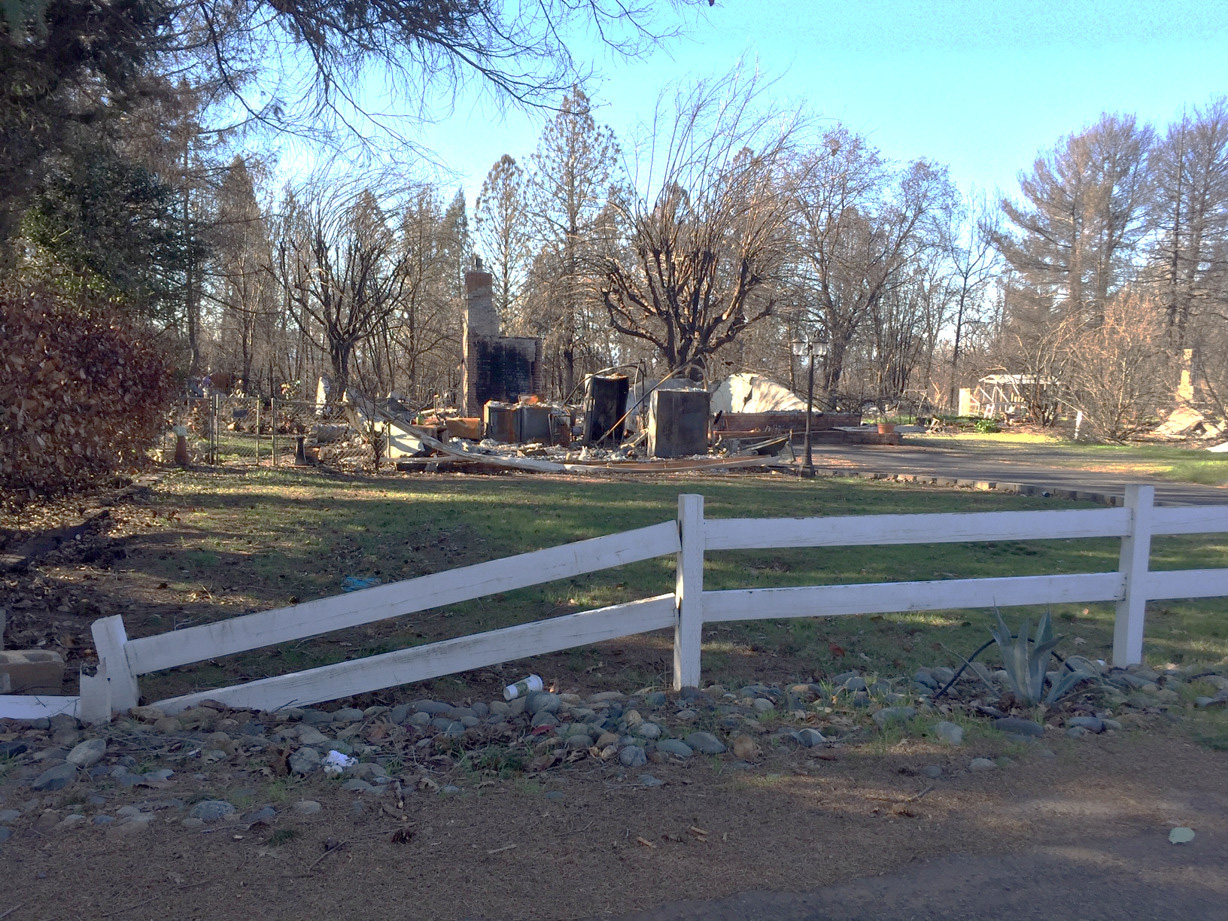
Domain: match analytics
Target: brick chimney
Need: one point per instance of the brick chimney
(481, 323)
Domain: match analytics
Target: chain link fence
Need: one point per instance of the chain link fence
(245, 431)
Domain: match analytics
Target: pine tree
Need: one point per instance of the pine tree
(1077, 231)
(573, 174)
(502, 233)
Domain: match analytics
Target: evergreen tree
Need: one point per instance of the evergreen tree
(502, 233)
(573, 174)
(1078, 228)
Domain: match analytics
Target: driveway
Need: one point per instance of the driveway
(1027, 468)
(1135, 878)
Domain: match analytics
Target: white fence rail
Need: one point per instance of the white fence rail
(115, 686)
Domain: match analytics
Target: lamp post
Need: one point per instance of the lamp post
(804, 348)
(819, 351)
(809, 349)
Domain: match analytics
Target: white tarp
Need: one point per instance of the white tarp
(746, 392)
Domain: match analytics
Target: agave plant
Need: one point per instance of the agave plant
(1078, 670)
(1026, 662)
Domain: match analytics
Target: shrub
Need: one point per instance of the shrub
(82, 395)
(987, 426)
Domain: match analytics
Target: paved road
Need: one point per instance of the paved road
(1030, 466)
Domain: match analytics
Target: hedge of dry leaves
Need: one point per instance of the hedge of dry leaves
(82, 396)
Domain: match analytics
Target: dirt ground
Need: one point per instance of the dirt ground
(1081, 833)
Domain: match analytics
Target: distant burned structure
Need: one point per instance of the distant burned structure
(496, 368)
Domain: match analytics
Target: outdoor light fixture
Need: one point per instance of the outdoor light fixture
(805, 348)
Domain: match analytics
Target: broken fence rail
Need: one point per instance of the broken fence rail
(115, 686)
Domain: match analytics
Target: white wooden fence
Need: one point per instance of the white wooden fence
(121, 660)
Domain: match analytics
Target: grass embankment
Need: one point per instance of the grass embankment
(270, 537)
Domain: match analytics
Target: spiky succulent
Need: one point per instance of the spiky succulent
(1026, 662)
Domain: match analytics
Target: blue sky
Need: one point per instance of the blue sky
(979, 86)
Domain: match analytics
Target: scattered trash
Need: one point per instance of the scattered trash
(1181, 835)
(357, 583)
(522, 687)
(335, 762)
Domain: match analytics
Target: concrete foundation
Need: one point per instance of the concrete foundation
(31, 671)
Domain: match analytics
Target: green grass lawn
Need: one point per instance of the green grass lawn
(269, 538)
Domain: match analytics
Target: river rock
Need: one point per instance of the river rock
(88, 753)
(675, 747)
(309, 735)
(262, 816)
(705, 743)
(543, 702)
(808, 738)
(889, 715)
(950, 733)
(648, 730)
(212, 810)
(541, 718)
(745, 748)
(1090, 723)
(304, 762)
(55, 778)
(1014, 725)
(632, 756)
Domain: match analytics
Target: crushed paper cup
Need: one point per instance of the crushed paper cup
(522, 687)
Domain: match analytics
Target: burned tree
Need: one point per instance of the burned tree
(708, 227)
(862, 224)
(342, 271)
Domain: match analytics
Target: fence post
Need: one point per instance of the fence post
(1135, 560)
(94, 703)
(689, 591)
(109, 639)
(215, 409)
